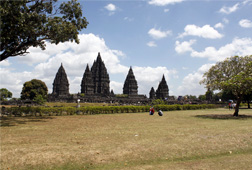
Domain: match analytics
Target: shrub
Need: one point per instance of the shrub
(89, 110)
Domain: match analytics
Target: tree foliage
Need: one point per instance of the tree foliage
(26, 23)
(234, 75)
(248, 98)
(34, 90)
(202, 97)
(4, 94)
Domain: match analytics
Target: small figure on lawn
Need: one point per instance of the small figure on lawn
(230, 105)
(160, 113)
(152, 111)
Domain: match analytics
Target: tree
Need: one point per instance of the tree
(202, 97)
(248, 98)
(26, 23)
(227, 95)
(233, 74)
(39, 99)
(32, 89)
(4, 94)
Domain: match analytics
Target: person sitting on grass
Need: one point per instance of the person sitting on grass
(152, 111)
(160, 113)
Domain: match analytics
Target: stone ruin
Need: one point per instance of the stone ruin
(162, 91)
(95, 87)
(130, 85)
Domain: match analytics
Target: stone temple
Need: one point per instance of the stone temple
(60, 83)
(130, 85)
(162, 91)
(96, 80)
(95, 87)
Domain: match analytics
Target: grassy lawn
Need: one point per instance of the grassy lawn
(195, 139)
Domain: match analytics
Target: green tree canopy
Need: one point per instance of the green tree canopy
(4, 94)
(233, 74)
(32, 89)
(202, 97)
(26, 23)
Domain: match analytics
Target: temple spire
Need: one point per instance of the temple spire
(130, 85)
(87, 84)
(100, 77)
(163, 90)
(60, 84)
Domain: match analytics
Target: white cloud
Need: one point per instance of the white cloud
(14, 81)
(219, 25)
(229, 10)
(184, 46)
(128, 19)
(36, 55)
(151, 44)
(245, 23)
(205, 32)
(110, 7)
(5, 63)
(117, 87)
(163, 2)
(241, 47)
(225, 20)
(166, 10)
(246, 2)
(158, 34)
(190, 84)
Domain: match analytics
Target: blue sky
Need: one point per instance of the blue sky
(181, 39)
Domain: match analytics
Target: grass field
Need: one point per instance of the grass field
(194, 139)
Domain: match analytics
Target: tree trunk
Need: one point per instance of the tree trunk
(248, 105)
(237, 106)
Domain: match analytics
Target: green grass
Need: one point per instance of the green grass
(194, 139)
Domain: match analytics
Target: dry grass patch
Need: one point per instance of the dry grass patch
(177, 140)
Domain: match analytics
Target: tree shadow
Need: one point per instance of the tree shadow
(224, 116)
(14, 121)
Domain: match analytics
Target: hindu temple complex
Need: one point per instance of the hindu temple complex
(95, 87)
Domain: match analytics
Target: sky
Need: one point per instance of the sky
(180, 39)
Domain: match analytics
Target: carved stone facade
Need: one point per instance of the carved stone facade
(87, 84)
(100, 77)
(152, 93)
(60, 83)
(130, 85)
(96, 80)
(162, 90)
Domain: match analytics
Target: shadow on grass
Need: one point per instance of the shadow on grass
(224, 116)
(14, 121)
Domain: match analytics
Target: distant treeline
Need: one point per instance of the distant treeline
(90, 110)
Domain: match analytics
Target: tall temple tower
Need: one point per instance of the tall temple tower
(162, 91)
(60, 84)
(100, 77)
(87, 84)
(152, 93)
(130, 85)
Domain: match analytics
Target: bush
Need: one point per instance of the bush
(89, 110)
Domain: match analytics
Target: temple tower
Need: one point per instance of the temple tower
(60, 84)
(87, 85)
(100, 77)
(152, 93)
(162, 91)
(130, 85)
